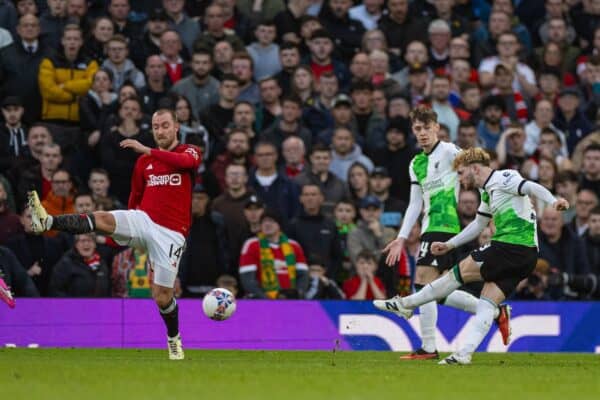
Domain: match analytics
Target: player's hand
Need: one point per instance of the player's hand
(561, 205)
(440, 248)
(135, 146)
(394, 250)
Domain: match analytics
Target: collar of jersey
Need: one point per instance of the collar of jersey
(488, 178)
(433, 148)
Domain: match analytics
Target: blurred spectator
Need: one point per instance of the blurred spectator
(490, 127)
(466, 136)
(303, 84)
(418, 88)
(25, 7)
(130, 274)
(393, 208)
(570, 119)
(20, 65)
(157, 85)
(316, 233)
(516, 107)
(243, 68)
(511, 147)
(358, 182)
(365, 285)
(53, 21)
(228, 282)
(345, 152)
(171, 54)
(234, 19)
(36, 253)
(332, 188)
(120, 65)
(288, 21)
(207, 254)
(439, 38)
(264, 52)
(13, 142)
(440, 93)
(289, 58)
(102, 30)
(217, 116)
(215, 30)
(237, 152)
(400, 27)
(542, 118)
(470, 96)
(223, 55)
(244, 117)
(99, 185)
(370, 126)
(343, 117)
(38, 177)
(9, 221)
(566, 187)
(294, 153)
(592, 241)
(149, 44)
(345, 217)
(271, 265)
(59, 199)
(416, 53)
(200, 88)
(77, 12)
(590, 171)
(346, 30)
(321, 59)
(370, 234)
(37, 137)
(231, 204)
(289, 124)
(269, 107)
(65, 76)
(561, 247)
(320, 287)
(585, 202)
(368, 13)
(118, 10)
(318, 116)
(80, 272)
(557, 34)
(189, 125)
(187, 27)
(272, 187)
(117, 161)
(15, 276)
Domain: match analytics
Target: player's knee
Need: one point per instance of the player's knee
(105, 221)
(425, 275)
(469, 270)
(162, 297)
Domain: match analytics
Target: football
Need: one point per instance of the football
(219, 304)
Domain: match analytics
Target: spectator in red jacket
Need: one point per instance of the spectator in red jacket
(365, 285)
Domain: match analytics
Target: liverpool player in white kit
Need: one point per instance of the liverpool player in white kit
(158, 218)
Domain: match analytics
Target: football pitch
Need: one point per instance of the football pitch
(146, 374)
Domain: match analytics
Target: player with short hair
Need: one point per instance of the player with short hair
(158, 218)
(435, 189)
(510, 257)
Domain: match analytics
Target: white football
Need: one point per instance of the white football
(218, 304)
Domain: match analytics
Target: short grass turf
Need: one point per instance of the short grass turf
(90, 374)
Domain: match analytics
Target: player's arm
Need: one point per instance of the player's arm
(535, 189)
(413, 210)
(471, 231)
(137, 187)
(189, 159)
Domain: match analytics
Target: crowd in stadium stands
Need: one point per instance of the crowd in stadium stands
(300, 108)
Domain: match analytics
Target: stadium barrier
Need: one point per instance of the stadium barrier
(287, 325)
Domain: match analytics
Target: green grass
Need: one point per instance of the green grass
(146, 374)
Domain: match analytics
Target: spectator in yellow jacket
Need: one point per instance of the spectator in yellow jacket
(64, 77)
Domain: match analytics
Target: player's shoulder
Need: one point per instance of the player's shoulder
(188, 148)
(505, 177)
(249, 244)
(450, 148)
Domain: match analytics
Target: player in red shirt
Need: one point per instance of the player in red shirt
(158, 218)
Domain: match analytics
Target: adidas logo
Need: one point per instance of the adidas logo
(149, 167)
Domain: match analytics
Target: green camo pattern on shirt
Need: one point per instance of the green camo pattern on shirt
(513, 215)
(439, 185)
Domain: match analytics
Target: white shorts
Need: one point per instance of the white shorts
(135, 228)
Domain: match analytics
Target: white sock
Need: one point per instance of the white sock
(479, 326)
(462, 300)
(437, 289)
(48, 223)
(428, 320)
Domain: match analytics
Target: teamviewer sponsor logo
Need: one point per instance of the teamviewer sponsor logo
(164, 180)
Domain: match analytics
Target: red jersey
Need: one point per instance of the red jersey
(351, 286)
(161, 185)
(250, 260)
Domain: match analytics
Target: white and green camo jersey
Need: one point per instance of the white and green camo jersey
(514, 217)
(434, 174)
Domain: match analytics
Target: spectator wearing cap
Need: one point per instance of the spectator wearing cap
(64, 77)
(439, 37)
(321, 60)
(416, 53)
(148, 44)
(343, 117)
(346, 30)
(207, 254)
(400, 27)
(316, 233)
(20, 63)
(288, 124)
(392, 208)
(549, 80)
(13, 138)
(370, 234)
(370, 126)
(318, 117)
(417, 89)
(490, 127)
(187, 28)
(516, 106)
(272, 187)
(368, 13)
(345, 152)
(120, 65)
(396, 156)
(440, 103)
(542, 118)
(570, 119)
(508, 47)
(272, 265)
(232, 201)
(216, 31)
(317, 173)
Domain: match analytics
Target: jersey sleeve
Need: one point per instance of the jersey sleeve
(484, 206)
(250, 256)
(412, 175)
(137, 186)
(511, 181)
(300, 258)
(190, 158)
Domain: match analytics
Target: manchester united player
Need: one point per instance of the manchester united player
(158, 218)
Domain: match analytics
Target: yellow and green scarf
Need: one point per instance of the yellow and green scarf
(268, 278)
